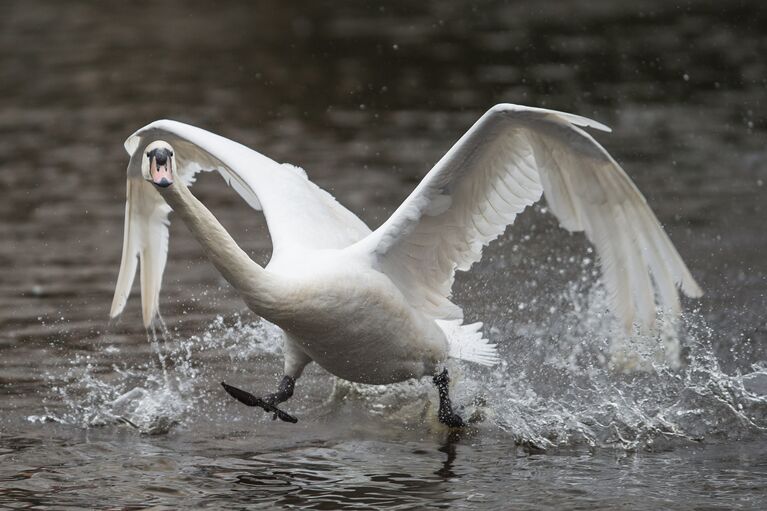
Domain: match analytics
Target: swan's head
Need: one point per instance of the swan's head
(159, 163)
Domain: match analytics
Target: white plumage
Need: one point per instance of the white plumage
(375, 306)
(503, 164)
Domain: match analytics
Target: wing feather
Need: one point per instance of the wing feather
(300, 215)
(510, 158)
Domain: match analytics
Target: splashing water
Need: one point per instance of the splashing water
(561, 383)
(153, 397)
(569, 383)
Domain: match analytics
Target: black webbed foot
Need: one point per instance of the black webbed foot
(446, 414)
(268, 402)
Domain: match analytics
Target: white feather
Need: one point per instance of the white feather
(503, 164)
(466, 342)
(299, 214)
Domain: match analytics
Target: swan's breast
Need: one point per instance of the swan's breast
(353, 321)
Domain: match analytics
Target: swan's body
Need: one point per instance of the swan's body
(334, 308)
(355, 323)
(374, 307)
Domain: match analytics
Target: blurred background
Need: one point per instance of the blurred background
(367, 96)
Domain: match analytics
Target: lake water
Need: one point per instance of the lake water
(366, 97)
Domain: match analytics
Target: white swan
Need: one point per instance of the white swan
(374, 307)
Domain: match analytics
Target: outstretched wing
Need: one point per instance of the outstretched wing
(299, 214)
(504, 163)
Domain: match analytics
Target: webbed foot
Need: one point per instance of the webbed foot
(268, 402)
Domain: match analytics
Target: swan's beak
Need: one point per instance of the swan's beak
(161, 167)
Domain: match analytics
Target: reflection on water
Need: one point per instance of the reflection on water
(367, 97)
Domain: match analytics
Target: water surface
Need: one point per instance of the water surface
(366, 98)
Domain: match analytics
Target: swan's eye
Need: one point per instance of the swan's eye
(171, 153)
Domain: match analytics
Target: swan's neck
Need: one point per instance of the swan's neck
(257, 286)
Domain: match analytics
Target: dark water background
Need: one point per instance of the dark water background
(366, 97)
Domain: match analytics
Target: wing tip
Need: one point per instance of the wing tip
(116, 310)
(691, 289)
(150, 314)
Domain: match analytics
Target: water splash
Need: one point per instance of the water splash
(155, 395)
(577, 379)
(563, 382)
(569, 382)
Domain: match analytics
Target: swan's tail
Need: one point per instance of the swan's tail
(466, 342)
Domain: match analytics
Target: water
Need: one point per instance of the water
(366, 98)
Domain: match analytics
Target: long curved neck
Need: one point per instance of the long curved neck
(255, 284)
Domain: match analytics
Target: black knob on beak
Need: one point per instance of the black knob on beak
(161, 157)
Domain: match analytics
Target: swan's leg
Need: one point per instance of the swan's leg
(295, 358)
(295, 361)
(446, 415)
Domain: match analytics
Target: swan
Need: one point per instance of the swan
(374, 306)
